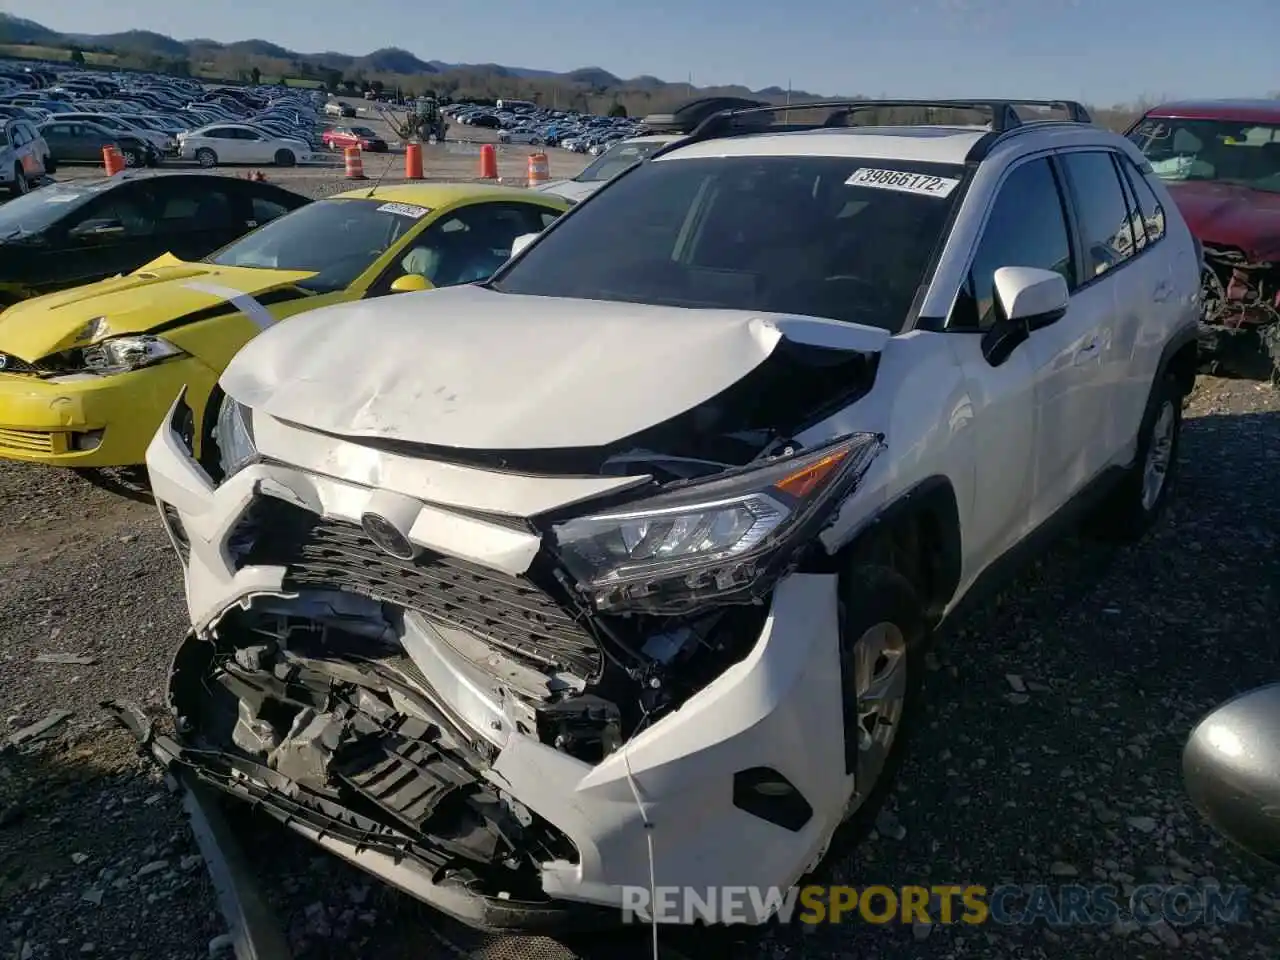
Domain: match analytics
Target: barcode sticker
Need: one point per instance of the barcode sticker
(405, 210)
(918, 183)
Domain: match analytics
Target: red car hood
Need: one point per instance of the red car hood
(1227, 214)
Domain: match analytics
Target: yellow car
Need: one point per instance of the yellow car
(87, 374)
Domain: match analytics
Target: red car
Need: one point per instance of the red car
(338, 138)
(1221, 162)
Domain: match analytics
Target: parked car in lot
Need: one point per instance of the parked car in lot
(137, 340)
(607, 166)
(80, 141)
(338, 138)
(639, 545)
(223, 143)
(24, 156)
(335, 108)
(80, 231)
(1221, 162)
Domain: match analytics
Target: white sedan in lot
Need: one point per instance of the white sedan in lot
(240, 143)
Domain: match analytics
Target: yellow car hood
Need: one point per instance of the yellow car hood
(163, 291)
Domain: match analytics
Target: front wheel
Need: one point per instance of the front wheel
(132, 158)
(883, 636)
(1133, 507)
(285, 158)
(50, 166)
(206, 157)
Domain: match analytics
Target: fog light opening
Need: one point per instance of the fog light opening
(84, 442)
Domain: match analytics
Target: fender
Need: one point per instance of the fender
(1186, 373)
(941, 547)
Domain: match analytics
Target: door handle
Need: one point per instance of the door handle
(1163, 291)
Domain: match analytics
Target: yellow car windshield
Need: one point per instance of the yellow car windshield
(337, 239)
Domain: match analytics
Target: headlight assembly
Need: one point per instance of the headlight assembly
(233, 435)
(118, 355)
(725, 538)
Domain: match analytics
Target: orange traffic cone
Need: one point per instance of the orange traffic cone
(355, 166)
(112, 160)
(488, 162)
(413, 161)
(539, 170)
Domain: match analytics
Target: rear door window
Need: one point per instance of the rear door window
(1103, 215)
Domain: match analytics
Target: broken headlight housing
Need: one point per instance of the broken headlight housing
(723, 539)
(120, 354)
(233, 435)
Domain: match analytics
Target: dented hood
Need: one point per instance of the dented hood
(1231, 215)
(164, 290)
(471, 368)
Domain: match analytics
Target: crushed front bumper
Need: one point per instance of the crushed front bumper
(675, 801)
(84, 420)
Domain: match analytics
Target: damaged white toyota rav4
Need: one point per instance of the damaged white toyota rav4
(623, 561)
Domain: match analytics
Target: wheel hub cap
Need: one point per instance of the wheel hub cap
(879, 660)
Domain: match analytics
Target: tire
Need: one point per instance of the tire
(20, 186)
(882, 621)
(1133, 507)
(285, 158)
(206, 157)
(132, 158)
(50, 166)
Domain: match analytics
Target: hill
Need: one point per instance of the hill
(587, 88)
(591, 89)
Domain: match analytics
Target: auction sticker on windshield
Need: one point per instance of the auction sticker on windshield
(405, 210)
(920, 183)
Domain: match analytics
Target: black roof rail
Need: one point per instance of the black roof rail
(1004, 114)
(690, 115)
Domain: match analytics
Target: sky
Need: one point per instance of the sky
(1098, 51)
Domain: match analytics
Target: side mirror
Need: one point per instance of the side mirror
(1231, 771)
(410, 283)
(97, 228)
(522, 241)
(1027, 299)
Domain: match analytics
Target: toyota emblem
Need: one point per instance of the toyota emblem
(386, 537)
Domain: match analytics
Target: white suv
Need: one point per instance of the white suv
(625, 560)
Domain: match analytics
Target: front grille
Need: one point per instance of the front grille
(27, 441)
(510, 612)
(11, 364)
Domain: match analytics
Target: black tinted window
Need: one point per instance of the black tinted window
(187, 207)
(1101, 210)
(817, 236)
(1026, 228)
(265, 210)
(1148, 206)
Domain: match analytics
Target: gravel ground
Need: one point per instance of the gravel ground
(1050, 755)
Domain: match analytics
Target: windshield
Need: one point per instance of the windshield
(616, 159)
(338, 239)
(1218, 150)
(35, 212)
(829, 237)
(363, 131)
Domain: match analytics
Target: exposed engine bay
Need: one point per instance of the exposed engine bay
(370, 697)
(1241, 298)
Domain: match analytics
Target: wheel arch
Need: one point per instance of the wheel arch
(918, 534)
(1180, 357)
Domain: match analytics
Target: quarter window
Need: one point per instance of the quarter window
(1106, 232)
(1027, 228)
(1150, 207)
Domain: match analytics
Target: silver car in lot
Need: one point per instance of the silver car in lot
(24, 156)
